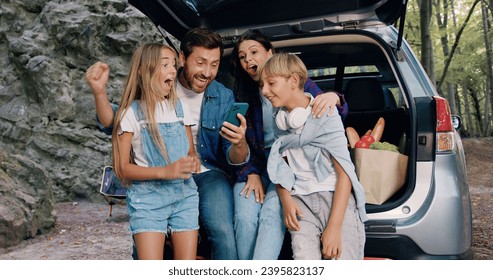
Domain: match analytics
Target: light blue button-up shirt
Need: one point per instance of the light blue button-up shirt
(325, 133)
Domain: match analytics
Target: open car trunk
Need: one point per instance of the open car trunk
(330, 40)
(342, 62)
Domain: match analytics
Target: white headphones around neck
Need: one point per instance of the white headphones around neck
(292, 120)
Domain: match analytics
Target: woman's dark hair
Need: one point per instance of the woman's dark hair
(246, 89)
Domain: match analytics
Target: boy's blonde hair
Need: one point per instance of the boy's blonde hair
(285, 65)
(142, 84)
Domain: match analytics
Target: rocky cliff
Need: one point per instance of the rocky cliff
(26, 199)
(46, 109)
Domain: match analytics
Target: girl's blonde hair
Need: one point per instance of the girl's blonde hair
(142, 84)
(285, 65)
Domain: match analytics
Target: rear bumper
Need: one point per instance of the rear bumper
(401, 247)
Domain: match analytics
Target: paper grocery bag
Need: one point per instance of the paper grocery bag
(382, 173)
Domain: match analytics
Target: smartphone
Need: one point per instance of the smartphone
(238, 107)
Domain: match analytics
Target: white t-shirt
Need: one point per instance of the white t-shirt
(194, 102)
(306, 181)
(163, 114)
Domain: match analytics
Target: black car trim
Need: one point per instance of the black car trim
(401, 247)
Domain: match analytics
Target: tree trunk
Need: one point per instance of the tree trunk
(442, 21)
(456, 43)
(458, 100)
(476, 103)
(489, 72)
(469, 124)
(425, 9)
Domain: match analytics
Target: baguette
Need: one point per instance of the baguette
(352, 136)
(378, 129)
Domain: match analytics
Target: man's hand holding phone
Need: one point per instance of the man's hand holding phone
(238, 108)
(236, 133)
(234, 126)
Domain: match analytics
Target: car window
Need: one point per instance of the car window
(328, 71)
(395, 97)
(362, 69)
(321, 72)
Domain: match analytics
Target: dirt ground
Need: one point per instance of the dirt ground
(84, 231)
(479, 160)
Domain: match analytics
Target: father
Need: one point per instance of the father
(218, 144)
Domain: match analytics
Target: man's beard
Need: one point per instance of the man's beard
(185, 77)
(189, 81)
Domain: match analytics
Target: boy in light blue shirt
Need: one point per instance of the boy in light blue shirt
(323, 201)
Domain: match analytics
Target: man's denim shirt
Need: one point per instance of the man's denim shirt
(212, 147)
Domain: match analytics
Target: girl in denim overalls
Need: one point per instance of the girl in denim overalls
(153, 155)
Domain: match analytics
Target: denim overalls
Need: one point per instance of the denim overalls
(163, 205)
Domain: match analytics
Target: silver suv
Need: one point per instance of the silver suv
(351, 46)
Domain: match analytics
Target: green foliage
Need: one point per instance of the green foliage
(468, 65)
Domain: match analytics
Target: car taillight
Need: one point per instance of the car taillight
(445, 128)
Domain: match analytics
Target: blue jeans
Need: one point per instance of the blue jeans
(216, 213)
(259, 228)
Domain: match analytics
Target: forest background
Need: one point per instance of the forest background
(453, 40)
